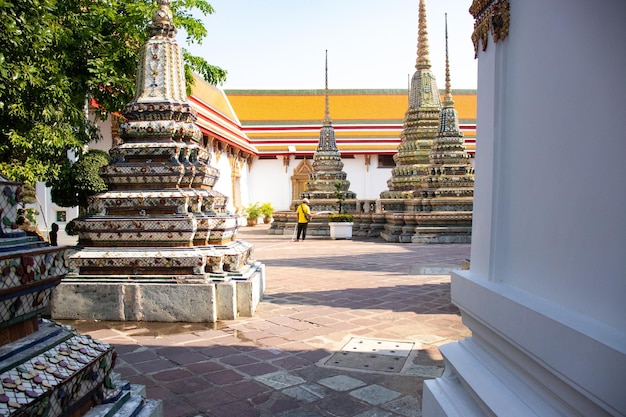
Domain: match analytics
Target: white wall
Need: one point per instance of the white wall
(269, 182)
(559, 202)
(366, 183)
(544, 297)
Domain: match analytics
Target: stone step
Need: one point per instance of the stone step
(131, 402)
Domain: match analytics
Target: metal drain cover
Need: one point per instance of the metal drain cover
(372, 355)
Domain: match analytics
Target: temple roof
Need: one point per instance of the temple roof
(216, 116)
(365, 121)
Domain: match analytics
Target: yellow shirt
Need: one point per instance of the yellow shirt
(303, 208)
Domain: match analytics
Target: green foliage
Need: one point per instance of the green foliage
(54, 55)
(340, 217)
(80, 180)
(340, 196)
(31, 214)
(267, 209)
(253, 210)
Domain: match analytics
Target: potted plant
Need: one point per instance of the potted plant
(267, 210)
(252, 213)
(340, 223)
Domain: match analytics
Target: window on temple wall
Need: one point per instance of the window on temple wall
(61, 216)
(386, 161)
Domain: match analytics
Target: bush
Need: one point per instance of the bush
(252, 211)
(267, 209)
(341, 217)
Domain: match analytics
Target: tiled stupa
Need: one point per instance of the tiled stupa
(448, 189)
(48, 369)
(159, 245)
(328, 177)
(421, 123)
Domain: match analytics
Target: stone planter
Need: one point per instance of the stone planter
(340, 230)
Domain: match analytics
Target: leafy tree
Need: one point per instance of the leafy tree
(80, 180)
(54, 55)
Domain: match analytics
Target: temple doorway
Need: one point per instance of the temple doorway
(299, 179)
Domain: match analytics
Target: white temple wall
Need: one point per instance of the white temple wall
(270, 182)
(366, 181)
(544, 297)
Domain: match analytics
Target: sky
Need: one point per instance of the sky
(280, 44)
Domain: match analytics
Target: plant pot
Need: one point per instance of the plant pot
(340, 230)
(252, 222)
(267, 220)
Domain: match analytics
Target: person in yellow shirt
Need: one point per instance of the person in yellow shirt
(304, 217)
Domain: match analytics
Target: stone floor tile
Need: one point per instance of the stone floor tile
(341, 406)
(246, 389)
(279, 380)
(408, 406)
(239, 409)
(223, 377)
(341, 383)
(305, 392)
(375, 412)
(204, 367)
(283, 404)
(171, 375)
(375, 394)
(257, 368)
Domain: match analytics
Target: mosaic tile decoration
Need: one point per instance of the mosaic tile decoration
(9, 203)
(28, 278)
(51, 383)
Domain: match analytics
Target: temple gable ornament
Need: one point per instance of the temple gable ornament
(490, 16)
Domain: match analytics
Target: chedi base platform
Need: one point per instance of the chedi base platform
(192, 298)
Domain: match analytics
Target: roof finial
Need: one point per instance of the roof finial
(327, 120)
(162, 21)
(423, 59)
(447, 101)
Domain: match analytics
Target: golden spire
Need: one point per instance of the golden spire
(447, 101)
(423, 59)
(327, 120)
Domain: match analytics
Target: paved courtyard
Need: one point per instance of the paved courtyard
(346, 328)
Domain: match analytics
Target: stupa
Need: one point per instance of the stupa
(328, 181)
(421, 124)
(46, 368)
(420, 127)
(159, 245)
(448, 189)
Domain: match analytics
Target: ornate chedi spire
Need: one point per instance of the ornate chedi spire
(421, 123)
(328, 177)
(160, 200)
(448, 188)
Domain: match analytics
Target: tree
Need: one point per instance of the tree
(54, 55)
(80, 180)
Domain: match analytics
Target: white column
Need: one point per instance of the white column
(545, 295)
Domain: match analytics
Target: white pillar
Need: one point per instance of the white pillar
(545, 295)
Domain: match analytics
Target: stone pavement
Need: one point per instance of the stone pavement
(346, 328)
